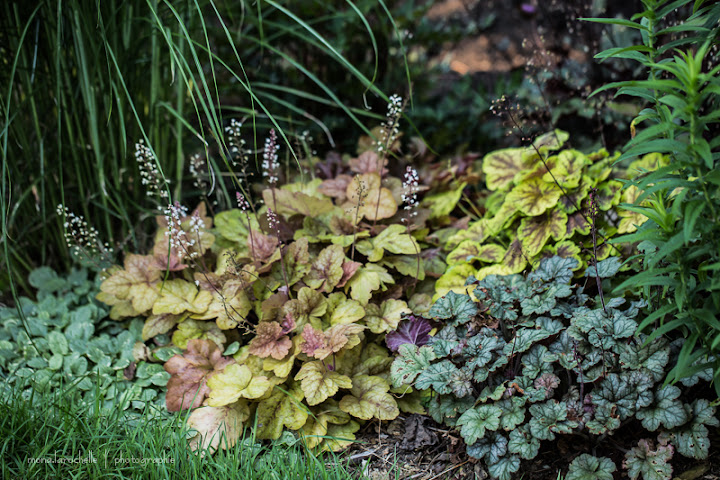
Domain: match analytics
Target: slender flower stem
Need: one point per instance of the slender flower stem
(389, 134)
(361, 194)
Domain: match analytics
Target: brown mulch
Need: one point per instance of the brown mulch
(411, 447)
(416, 447)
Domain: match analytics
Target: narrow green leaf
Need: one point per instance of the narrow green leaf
(617, 21)
(692, 212)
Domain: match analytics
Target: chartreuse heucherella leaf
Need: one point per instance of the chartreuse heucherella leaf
(442, 204)
(501, 166)
(282, 409)
(374, 201)
(386, 316)
(394, 239)
(236, 382)
(369, 398)
(539, 208)
(319, 383)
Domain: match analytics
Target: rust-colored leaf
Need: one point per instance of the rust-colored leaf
(349, 268)
(368, 162)
(270, 341)
(187, 387)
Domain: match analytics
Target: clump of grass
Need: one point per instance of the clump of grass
(47, 436)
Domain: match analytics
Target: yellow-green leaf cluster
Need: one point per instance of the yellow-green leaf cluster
(542, 205)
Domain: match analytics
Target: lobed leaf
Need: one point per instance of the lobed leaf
(410, 362)
(650, 462)
(179, 296)
(475, 421)
(460, 308)
(534, 196)
(501, 166)
(319, 382)
(282, 409)
(327, 270)
(235, 382)
(217, 427)
(588, 467)
(386, 317)
(666, 410)
(523, 443)
(412, 330)
(369, 398)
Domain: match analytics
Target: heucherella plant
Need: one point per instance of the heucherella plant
(526, 359)
(540, 207)
(277, 311)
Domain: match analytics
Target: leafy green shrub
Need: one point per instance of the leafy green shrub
(65, 340)
(681, 239)
(280, 312)
(531, 359)
(541, 207)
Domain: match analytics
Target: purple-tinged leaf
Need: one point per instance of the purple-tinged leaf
(415, 330)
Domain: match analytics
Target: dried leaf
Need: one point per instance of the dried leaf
(217, 427)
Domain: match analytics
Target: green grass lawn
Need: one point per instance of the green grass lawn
(48, 437)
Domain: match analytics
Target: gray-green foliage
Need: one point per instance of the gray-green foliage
(531, 358)
(64, 340)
